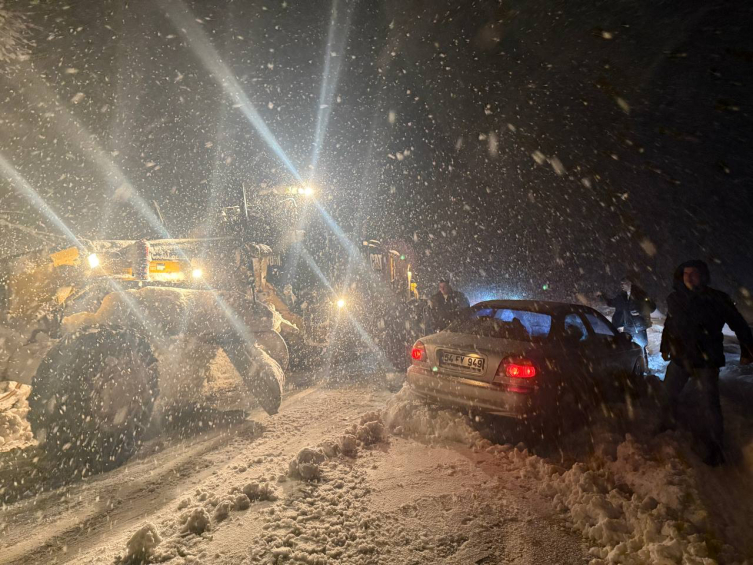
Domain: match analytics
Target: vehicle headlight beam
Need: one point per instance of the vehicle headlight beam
(33, 197)
(336, 42)
(184, 20)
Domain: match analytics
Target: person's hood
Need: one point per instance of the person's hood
(678, 283)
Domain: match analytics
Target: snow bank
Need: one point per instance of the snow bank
(20, 358)
(196, 521)
(15, 430)
(635, 502)
(641, 508)
(140, 547)
(259, 491)
(407, 414)
(305, 465)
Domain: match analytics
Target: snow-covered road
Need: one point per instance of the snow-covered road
(397, 500)
(394, 481)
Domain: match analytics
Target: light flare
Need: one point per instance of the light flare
(32, 196)
(184, 20)
(336, 43)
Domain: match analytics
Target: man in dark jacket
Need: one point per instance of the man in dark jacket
(693, 343)
(632, 311)
(446, 305)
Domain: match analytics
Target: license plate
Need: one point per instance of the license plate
(474, 363)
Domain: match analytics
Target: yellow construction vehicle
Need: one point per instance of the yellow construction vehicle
(103, 329)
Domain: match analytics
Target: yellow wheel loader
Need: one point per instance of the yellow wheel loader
(102, 330)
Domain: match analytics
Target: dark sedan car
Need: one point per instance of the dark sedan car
(521, 358)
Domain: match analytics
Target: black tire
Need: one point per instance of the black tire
(92, 398)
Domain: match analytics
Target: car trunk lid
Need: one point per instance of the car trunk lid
(472, 357)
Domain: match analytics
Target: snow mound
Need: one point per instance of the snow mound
(348, 444)
(371, 429)
(330, 448)
(196, 521)
(140, 547)
(242, 502)
(329, 522)
(406, 414)
(259, 491)
(305, 465)
(636, 502)
(223, 509)
(641, 508)
(15, 430)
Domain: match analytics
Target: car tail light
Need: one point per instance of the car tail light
(519, 370)
(418, 353)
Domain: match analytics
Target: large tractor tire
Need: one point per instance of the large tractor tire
(92, 398)
(262, 375)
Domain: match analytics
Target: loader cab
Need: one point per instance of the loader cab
(269, 215)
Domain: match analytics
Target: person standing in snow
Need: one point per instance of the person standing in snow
(693, 343)
(632, 311)
(446, 305)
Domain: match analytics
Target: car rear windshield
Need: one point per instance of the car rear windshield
(504, 323)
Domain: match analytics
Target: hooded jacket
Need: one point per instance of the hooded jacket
(624, 306)
(692, 333)
(446, 309)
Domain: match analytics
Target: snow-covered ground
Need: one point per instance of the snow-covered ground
(15, 431)
(349, 473)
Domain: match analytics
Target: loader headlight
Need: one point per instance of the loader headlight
(93, 261)
(197, 273)
(340, 303)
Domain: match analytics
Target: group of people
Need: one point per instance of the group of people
(692, 340)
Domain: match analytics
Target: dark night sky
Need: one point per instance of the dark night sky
(639, 113)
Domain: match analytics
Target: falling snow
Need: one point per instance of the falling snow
(222, 231)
